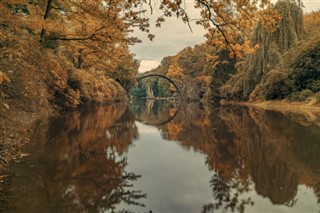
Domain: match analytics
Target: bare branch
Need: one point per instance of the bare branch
(217, 26)
(188, 22)
(151, 8)
(78, 38)
(45, 16)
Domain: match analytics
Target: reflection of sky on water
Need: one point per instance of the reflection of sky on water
(177, 179)
(145, 129)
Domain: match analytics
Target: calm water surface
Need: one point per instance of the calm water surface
(156, 157)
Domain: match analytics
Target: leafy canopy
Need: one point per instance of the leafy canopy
(106, 24)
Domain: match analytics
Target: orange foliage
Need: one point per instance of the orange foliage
(175, 71)
(53, 40)
(204, 79)
(90, 34)
(98, 32)
(311, 23)
(234, 24)
(4, 77)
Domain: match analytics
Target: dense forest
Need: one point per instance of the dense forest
(77, 51)
(57, 55)
(283, 65)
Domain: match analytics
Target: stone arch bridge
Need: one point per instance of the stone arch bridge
(138, 78)
(161, 76)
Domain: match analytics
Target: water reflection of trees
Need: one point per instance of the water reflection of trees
(225, 196)
(274, 151)
(89, 159)
(82, 164)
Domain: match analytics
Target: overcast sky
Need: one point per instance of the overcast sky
(174, 36)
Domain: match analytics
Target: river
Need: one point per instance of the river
(154, 157)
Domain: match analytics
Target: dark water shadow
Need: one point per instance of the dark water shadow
(78, 164)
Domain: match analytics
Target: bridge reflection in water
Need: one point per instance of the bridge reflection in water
(208, 159)
(153, 112)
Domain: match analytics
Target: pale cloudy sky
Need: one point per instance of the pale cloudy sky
(174, 36)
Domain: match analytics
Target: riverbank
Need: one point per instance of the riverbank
(280, 105)
(16, 125)
(306, 111)
(37, 89)
(16, 129)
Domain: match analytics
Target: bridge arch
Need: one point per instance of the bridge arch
(178, 91)
(161, 122)
(160, 76)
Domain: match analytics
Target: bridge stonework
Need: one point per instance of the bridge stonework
(188, 91)
(178, 88)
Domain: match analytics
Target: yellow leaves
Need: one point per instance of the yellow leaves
(6, 106)
(2, 177)
(227, 42)
(203, 121)
(174, 128)
(18, 2)
(247, 49)
(269, 18)
(242, 50)
(4, 77)
(205, 80)
(311, 23)
(175, 71)
(172, 111)
(212, 59)
(232, 23)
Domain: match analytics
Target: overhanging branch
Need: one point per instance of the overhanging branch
(228, 43)
(90, 37)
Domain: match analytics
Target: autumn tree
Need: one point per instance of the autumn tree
(311, 23)
(126, 70)
(175, 71)
(95, 34)
(229, 23)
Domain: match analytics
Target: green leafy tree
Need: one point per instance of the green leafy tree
(139, 91)
(155, 88)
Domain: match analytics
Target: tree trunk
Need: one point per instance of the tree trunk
(80, 58)
(46, 15)
(149, 92)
